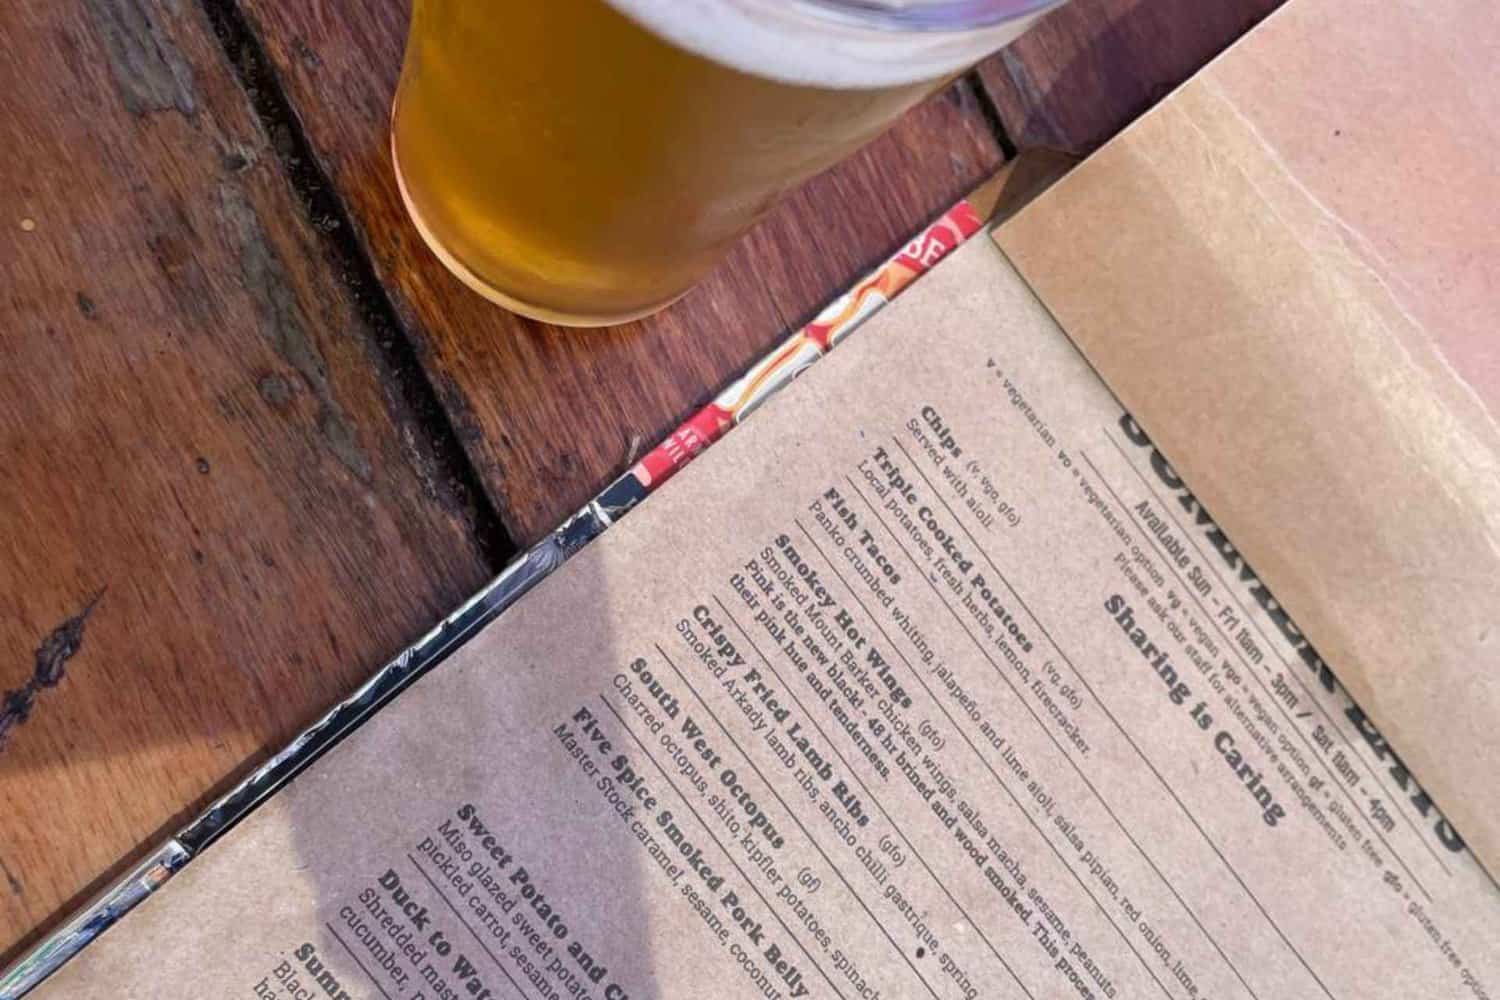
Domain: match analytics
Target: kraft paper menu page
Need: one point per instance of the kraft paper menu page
(1290, 273)
(908, 689)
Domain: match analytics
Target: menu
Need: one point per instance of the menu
(935, 680)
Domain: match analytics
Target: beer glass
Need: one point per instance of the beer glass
(585, 161)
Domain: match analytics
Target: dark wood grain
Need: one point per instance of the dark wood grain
(216, 516)
(1092, 67)
(547, 414)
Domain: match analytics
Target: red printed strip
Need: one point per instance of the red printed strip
(797, 352)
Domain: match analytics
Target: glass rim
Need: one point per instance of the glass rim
(927, 15)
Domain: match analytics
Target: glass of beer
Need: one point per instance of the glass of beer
(584, 162)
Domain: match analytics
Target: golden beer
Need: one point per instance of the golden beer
(584, 161)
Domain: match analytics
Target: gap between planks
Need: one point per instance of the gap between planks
(401, 369)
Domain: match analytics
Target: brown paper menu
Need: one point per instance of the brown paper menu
(917, 686)
(1289, 272)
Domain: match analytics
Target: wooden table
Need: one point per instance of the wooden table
(255, 439)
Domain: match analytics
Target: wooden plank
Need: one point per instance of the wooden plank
(216, 514)
(1090, 68)
(549, 414)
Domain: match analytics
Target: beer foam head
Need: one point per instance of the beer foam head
(799, 44)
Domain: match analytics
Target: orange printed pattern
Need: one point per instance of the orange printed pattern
(797, 352)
